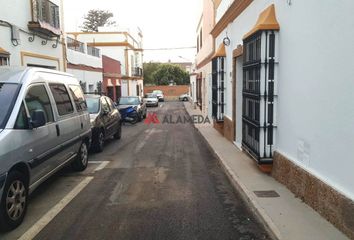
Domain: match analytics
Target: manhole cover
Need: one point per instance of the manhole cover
(266, 194)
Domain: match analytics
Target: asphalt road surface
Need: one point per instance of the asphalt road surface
(160, 181)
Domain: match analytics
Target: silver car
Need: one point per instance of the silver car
(151, 100)
(44, 125)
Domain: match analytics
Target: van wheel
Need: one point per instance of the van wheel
(14, 201)
(81, 161)
(118, 134)
(98, 144)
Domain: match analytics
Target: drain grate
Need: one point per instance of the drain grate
(267, 194)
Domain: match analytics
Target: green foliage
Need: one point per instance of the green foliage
(149, 69)
(164, 74)
(96, 18)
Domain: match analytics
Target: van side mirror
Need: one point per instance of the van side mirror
(38, 119)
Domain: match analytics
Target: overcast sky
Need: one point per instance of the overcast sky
(165, 23)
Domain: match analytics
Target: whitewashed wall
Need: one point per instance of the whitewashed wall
(88, 77)
(316, 87)
(75, 57)
(193, 82)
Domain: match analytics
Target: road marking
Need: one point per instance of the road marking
(161, 105)
(50, 215)
(101, 166)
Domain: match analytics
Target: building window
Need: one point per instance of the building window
(258, 95)
(201, 38)
(198, 44)
(4, 60)
(218, 88)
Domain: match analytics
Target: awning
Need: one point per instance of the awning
(220, 52)
(4, 52)
(267, 20)
(109, 82)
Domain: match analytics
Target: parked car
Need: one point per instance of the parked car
(184, 97)
(159, 95)
(136, 102)
(44, 125)
(151, 100)
(105, 120)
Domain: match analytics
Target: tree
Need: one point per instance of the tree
(170, 74)
(97, 18)
(149, 69)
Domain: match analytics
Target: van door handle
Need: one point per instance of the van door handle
(58, 130)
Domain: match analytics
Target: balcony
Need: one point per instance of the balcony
(93, 51)
(75, 45)
(45, 18)
(137, 72)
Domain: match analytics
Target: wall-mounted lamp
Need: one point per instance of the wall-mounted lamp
(226, 41)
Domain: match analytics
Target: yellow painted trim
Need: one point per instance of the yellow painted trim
(126, 57)
(216, 3)
(235, 10)
(35, 55)
(110, 44)
(267, 20)
(127, 34)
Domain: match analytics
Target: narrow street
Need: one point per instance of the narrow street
(162, 182)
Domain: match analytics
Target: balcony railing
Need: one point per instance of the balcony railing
(75, 45)
(137, 72)
(93, 51)
(45, 18)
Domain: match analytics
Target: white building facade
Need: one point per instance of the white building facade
(284, 86)
(124, 47)
(31, 34)
(85, 63)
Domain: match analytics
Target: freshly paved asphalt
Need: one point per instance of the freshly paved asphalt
(162, 182)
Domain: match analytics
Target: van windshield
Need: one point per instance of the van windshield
(8, 94)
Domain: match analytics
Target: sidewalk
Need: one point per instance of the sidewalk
(286, 216)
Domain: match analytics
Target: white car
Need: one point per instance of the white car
(184, 97)
(159, 95)
(151, 100)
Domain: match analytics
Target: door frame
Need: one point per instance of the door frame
(237, 52)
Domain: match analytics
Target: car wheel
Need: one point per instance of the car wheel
(145, 114)
(81, 161)
(118, 134)
(185, 99)
(99, 142)
(14, 201)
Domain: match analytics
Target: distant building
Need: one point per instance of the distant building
(31, 34)
(122, 46)
(112, 78)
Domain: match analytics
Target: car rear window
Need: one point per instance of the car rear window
(93, 105)
(8, 95)
(129, 101)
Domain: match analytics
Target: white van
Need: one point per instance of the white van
(44, 125)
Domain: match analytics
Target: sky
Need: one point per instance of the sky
(164, 23)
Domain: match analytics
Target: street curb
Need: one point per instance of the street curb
(246, 195)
